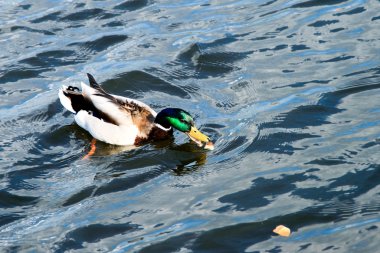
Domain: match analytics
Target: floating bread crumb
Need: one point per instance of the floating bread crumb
(282, 230)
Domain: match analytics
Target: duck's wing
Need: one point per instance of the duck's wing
(121, 110)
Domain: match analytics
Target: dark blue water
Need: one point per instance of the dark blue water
(288, 90)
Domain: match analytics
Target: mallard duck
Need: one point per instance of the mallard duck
(123, 121)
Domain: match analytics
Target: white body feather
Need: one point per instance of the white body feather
(107, 132)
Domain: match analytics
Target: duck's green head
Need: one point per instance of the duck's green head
(182, 121)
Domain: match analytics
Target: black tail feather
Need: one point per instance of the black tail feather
(79, 102)
(94, 84)
(92, 81)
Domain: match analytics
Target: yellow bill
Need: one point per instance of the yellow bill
(197, 135)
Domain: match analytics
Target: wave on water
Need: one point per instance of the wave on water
(288, 92)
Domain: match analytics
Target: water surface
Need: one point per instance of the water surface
(288, 90)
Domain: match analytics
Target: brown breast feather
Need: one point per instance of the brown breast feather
(144, 120)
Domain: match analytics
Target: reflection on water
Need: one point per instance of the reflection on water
(288, 92)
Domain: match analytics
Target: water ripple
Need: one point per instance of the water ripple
(287, 91)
